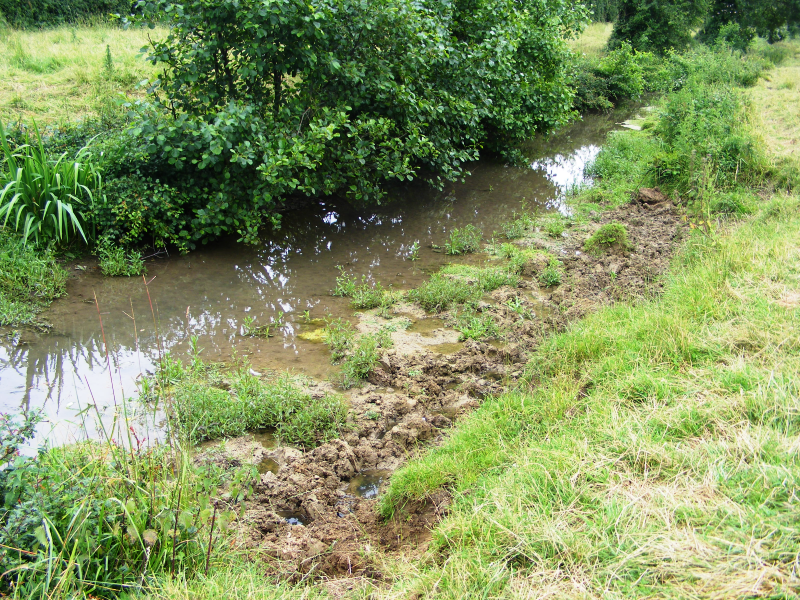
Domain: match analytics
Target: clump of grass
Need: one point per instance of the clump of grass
(487, 279)
(554, 226)
(338, 335)
(102, 519)
(551, 274)
(440, 292)
(116, 261)
(212, 404)
(734, 203)
(30, 279)
(364, 295)
(475, 326)
(607, 236)
(517, 226)
(358, 364)
(463, 241)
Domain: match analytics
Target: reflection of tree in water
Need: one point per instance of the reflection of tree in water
(46, 362)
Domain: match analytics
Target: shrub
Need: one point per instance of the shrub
(657, 26)
(601, 82)
(45, 199)
(463, 241)
(116, 261)
(607, 236)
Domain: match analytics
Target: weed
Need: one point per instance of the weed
(413, 251)
(440, 292)
(554, 226)
(463, 241)
(345, 284)
(339, 336)
(373, 415)
(551, 274)
(472, 326)
(250, 329)
(360, 362)
(607, 236)
(116, 261)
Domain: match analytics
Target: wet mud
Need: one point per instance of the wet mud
(314, 515)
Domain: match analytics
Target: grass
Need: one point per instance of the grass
(212, 403)
(463, 241)
(654, 454)
(62, 74)
(30, 279)
(593, 40)
(606, 237)
(116, 261)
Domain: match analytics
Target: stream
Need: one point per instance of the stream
(209, 292)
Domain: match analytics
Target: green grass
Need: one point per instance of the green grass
(653, 453)
(463, 241)
(61, 74)
(606, 237)
(116, 261)
(211, 404)
(30, 279)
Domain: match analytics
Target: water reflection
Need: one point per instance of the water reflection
(209, 292)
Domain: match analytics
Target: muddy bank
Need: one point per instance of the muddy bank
(309, 514)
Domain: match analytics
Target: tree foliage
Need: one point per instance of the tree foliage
(739, 21)
(657, 25)
(260, 100)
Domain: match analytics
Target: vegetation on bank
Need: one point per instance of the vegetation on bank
(652, 450)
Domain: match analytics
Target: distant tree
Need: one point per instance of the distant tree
(603, 11)
(657, 25)
(739, 21)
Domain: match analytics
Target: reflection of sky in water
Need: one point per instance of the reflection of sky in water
(209, 292)
(567, 172)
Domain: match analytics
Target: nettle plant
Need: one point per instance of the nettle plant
(259, 101)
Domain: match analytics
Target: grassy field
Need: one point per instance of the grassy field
(593, 40)
(64, 74)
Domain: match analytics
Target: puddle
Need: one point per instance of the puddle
(367, 484)
(447, 348)
(287, 278)
(426, 327)
(267, 465)
(292, 517)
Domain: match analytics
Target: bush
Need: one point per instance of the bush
(607, 236)
(601, 82)
(463, 241)
(309, 108)
(657, 26)
(48, 13)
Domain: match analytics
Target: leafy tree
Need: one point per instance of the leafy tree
(739, 21)
(657, 25)
(260, 100)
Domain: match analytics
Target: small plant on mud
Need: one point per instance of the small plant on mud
(463, 241)
(608, 236)
(472, 326)
(517, 226)
(551, 274)
(440, 292)
(345, 284)
(115, 261)
(555, 226)
(357, 365)
(339, 336)
(372, 415)
(518, 306)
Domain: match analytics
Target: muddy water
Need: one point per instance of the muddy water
(287, 278)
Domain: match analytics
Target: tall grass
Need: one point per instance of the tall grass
(45, 199)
